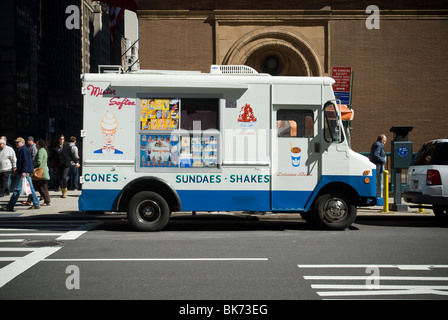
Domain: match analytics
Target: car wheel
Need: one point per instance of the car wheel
(440, 212)
(148, 211)
(334, 211)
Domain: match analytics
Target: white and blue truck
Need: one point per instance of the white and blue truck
(157, 142)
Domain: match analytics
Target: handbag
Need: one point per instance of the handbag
(37, 174)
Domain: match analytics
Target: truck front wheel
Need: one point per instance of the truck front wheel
(333, 211)
(148, 211)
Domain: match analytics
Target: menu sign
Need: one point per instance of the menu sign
(158, 151)
(159, 114)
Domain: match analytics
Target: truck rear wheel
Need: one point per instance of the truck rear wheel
(440, 212)
(334, 211)
(148, 211)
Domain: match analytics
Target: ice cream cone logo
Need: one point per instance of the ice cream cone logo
(109, 125)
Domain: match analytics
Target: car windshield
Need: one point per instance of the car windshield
(432, 152)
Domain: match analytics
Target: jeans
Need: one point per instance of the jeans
(18, 190)
(379, 180)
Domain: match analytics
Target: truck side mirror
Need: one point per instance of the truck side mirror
(332, 128)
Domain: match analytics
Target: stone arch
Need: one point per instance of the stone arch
(277, 51)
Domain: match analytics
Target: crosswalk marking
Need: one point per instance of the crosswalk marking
(19, 264)
(333, 288)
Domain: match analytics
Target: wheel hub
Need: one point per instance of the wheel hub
(149, 210)
(335, 210)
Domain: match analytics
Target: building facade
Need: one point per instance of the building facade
(41, 60)
(397, 54)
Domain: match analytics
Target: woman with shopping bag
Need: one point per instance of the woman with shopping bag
(23, 172)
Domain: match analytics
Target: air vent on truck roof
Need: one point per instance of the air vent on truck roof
(225, 69)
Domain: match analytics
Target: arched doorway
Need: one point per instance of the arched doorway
(276, 51)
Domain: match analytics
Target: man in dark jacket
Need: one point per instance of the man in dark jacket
(24, 169)
(378, 157)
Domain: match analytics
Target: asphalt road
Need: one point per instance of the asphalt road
(66, 255)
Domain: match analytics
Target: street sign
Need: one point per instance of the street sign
(342, 86)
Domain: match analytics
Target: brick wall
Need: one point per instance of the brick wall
(399, 77)
(399, 70)
(176, 44)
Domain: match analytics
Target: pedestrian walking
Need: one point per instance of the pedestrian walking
(8, 163)
(40, 161)
(378, 157)
(31, 146)
(74, 164)
(63, 157)
(23, 171)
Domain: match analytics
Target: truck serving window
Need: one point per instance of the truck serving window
(167, 139)
(203, 111)
(295, 123)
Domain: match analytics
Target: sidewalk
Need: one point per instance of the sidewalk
(69, 206)
(58, 205)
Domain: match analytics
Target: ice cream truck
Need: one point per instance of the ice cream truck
(231, 140)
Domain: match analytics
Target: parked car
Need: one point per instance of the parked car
(427, 179)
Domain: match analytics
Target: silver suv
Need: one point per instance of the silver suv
(427, 179)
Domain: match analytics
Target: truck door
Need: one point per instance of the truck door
(296, 158)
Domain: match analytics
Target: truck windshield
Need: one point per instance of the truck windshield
(332, 131)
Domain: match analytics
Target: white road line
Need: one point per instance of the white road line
(399, 266)
(22, 264)
(417, 291)
(379, 287)
(345, 290)
(375, 278)
(42, 234)
(12, 240)
(158, 259)
(75, 234)
(16, 249)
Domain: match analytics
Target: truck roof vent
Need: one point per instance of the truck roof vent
(110, 69)
(225, 69)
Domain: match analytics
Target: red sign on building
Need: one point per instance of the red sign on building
(342, 76)
(342, 86)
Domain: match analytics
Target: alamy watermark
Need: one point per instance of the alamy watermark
(373, 21)
(73, 21)
(74, 278)
(373, 280)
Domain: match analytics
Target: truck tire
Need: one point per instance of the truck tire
(441, 212)
(334, 211)
(148, 211)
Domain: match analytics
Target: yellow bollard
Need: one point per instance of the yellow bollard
(385, 192)
(421, 209)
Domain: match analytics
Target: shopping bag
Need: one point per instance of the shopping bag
(26, 189)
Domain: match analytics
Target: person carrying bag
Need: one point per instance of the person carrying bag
(41, 167)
